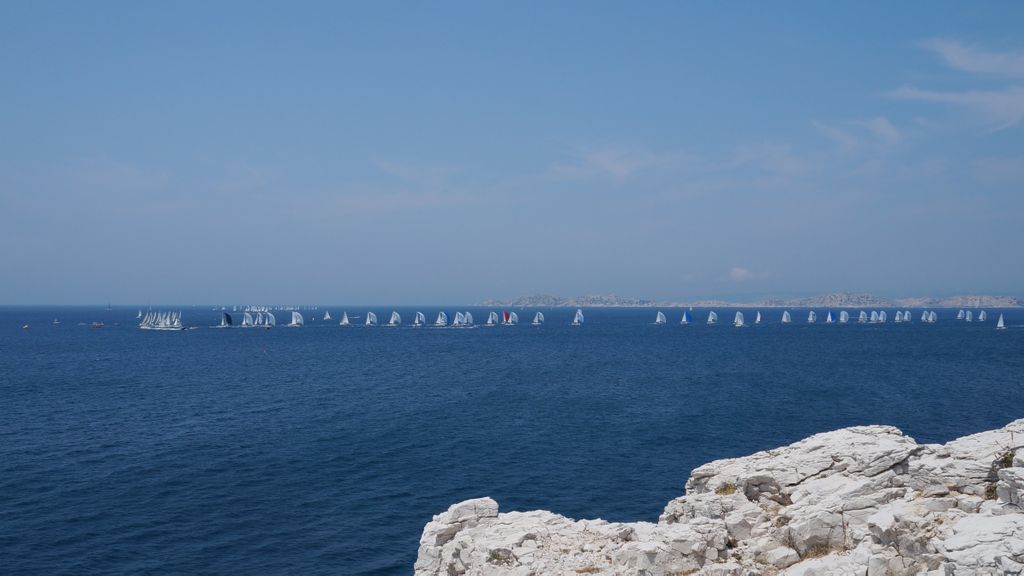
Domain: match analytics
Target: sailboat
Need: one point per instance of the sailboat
(327, 315)
(510, 318)
(660, 318)
(969, 316)
(982, 316)
(139, 315)
(577, 320)
(899, 317)
(344, 319)
(786, 319)
(874, 317)
(906, 316)
(160, 321)
(442, 319)
(371, 319)
(492, 319)
(226, 321)
(932, 317)
(460, 320)
(924, 316)
(247, 320)
(960, 315)
(844, 317)
(1000, 325)
(270, 321)
(712, 317)
(738, 320)
(828, 319)
(812, 317)
(686, 317)
(420, 319)
(862, 317)
(297, 320)
(757, 319)
(468, 319)
(882, 317)
(538, 319)
(55, 322)
(395, 320)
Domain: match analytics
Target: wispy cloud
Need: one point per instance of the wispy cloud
(1005, 107)
(617, 162)
(740, 274)
(882, 129)
(851, 135)
(960, 56)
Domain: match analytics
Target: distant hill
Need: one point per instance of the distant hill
(832, 300)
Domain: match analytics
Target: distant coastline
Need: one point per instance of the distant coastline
(832, 300)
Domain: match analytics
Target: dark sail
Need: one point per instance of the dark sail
(227, 320)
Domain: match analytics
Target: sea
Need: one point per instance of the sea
(325, 449)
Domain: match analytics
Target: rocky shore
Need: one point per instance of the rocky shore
(866, 500)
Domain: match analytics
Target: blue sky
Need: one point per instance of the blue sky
(385, 152)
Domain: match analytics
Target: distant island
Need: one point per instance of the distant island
(832, 300)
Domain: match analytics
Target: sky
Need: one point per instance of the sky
(451, 152)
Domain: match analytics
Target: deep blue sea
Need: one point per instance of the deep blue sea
(324, 450)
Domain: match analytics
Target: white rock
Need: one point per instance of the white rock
(868, 498)
(782, 557)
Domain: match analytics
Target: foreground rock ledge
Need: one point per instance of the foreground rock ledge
(865, 500)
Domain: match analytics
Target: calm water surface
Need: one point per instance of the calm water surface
(324, 450)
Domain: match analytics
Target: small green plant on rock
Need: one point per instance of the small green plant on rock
(821, 550)
(990, 491)
(726, 489)
(1005, 460)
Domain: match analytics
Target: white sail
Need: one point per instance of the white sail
(844, 317)
(139, 315)
(1000, 325)
(969, 316)
(960, 315)
(812, 317)
(786, 319)
(538, 319)
(738, 320)
(327, 315)
(924, 315)
(442, 319)
(828, 319)
(874, 316)
(159, 321)
(862, 317)
(492, 318)
(757, 319)
(420, 320)
(460, 319)
(712, 317)
(906, 316)
(271, 320)
(395, 319)
(660, 318)
(899, 317)
(468, 318)
(686, 317)
(932, 317)
(247, 319)
(578, 318)
(513, 318)
(297, 319)
(371, 319)
(344, 319)
(982, 316)
(882, 317)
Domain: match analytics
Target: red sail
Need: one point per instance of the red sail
(506, 316)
